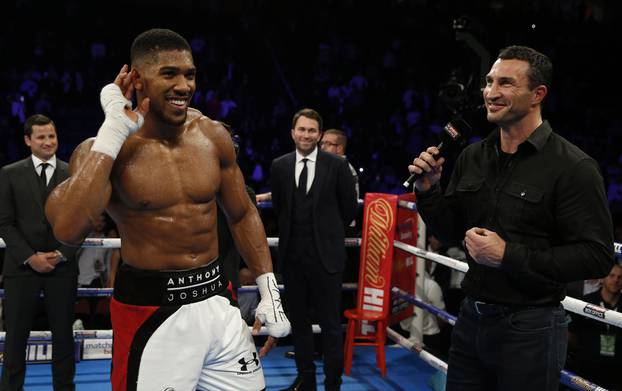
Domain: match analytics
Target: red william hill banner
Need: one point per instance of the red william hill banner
(404, 263)
(379, 220)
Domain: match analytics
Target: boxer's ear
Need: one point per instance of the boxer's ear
(137, 80)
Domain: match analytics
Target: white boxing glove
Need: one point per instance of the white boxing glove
(117, 126)
(270, 308)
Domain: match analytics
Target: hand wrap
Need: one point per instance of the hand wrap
(117, 126)
(270, 309)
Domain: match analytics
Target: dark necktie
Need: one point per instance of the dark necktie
(43, 179)
(302, 179)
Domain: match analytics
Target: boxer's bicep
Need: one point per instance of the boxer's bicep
(244, 222)
(74, 204)
(233, 196)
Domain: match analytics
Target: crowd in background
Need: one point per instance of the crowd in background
(390, 74)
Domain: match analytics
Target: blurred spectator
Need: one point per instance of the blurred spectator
(423, 326)
(382, 87)
(596, 347)
(449, 279)
(96, 271)
(335, 141)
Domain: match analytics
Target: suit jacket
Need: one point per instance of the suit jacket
(23, 224)
(334, 205)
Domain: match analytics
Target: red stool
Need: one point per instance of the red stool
(355, 315)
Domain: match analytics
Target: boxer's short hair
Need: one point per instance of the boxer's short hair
(148, 44)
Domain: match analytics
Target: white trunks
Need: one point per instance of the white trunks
(198, 342)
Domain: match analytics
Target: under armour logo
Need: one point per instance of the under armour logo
(244, 363)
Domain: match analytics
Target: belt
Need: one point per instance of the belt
(490, 309)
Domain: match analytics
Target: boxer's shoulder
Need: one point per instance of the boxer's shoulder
(213, 131)
(194, 115)
(210, 128)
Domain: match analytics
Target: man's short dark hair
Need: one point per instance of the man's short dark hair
(342, 138)
(151, 42)
(309, 113)
(36, 119)
(540, 66)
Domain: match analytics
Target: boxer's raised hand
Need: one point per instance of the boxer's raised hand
(121, 120)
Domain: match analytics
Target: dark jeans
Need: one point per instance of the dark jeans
(509, 349)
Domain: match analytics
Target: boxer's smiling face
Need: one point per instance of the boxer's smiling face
(169, 83)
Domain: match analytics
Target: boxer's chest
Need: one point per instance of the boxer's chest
(156, 177)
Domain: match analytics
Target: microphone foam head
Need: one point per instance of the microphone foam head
(456, 130)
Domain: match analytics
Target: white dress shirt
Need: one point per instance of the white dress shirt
(49, 170)
(311, 160)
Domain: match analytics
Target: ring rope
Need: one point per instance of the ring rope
(449, 318)
(106, 292)
(346, 286)
(273, 242)
(102, 334)
(268, 204)
(116, 242)
(429, 358)
(407, 205)
(447, 261)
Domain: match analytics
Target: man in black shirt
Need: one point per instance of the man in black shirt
(532, 211)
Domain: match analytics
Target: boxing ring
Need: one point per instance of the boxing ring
(576, 306)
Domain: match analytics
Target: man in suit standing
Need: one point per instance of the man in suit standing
(35, 261)
(335, 141)
(314, 199)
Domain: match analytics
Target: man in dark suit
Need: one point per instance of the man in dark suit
(35, 261)
(314, 199)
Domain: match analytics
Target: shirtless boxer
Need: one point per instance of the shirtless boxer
(160, 179)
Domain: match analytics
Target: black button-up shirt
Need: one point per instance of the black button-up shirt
(547, 201)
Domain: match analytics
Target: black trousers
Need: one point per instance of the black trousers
(20, 305)
(309, 286)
